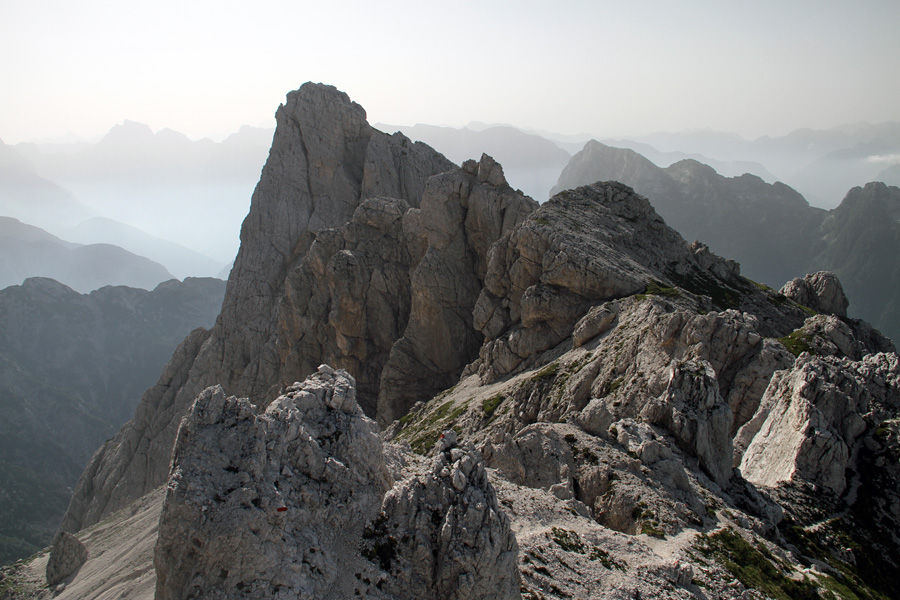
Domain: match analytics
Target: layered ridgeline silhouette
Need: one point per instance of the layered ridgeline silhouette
(33, 200)
(560, 388)
(769, 228)
(27, 251)
(190, 193)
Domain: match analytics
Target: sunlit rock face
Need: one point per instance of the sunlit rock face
(815, 415)
(820, 291)
(298, 502)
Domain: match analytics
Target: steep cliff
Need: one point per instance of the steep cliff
(597, 401)
(297, 263)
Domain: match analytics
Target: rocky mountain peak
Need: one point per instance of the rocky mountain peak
(576, 401)
(362, 264)
(299, 501)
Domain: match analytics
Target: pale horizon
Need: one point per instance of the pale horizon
(601, 69)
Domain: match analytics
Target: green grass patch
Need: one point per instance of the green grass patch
(548, 372)
(761, 286)
(753, 569)
(652, 529)
(797, 342)
(614, 385)
(656, 288)
(489, 405)
(570, 541)
(423, 428)
(702, 284)
(844, 582)
(425, 442)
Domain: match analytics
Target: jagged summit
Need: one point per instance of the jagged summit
(300, 501)
(600, 398)
(294, 296)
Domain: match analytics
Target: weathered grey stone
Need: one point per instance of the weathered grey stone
(463, 213)
(694, 411)
(67, 554)
(583, 247)
(292, 503)
(270, 505)
(324, 162)
(812, 417)
(649, 354)
(444, 535)
(820, 291)
(597, 321)
(536, 457)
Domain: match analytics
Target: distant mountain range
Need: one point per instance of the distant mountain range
(191, 193)
(820, 164)
(27, 196)
(132, 152)
(180, 261)
(72, 369)
(196, 193)
(603, 408)
(769, 228)
(530, 162)
(27, 251)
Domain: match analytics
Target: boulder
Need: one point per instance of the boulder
(270, 505)
(820, 291)
(67, 554)
(694, 411)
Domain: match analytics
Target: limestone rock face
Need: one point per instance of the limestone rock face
(389, 295)
(546, 274)
(821, 291)
(463, 213)
(295, 502)
(694, 411)
(324, 162)
(536, 456)
(769, 228)
(610, 374)
(67, 554)
(814, 416)
(270, 505)
(443, 534)
(348, 299)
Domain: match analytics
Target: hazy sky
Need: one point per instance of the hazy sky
(608, 68)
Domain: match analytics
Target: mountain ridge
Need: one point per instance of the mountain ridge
(619, 392)
(769, 228)
(28, 251)
(71, 366)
